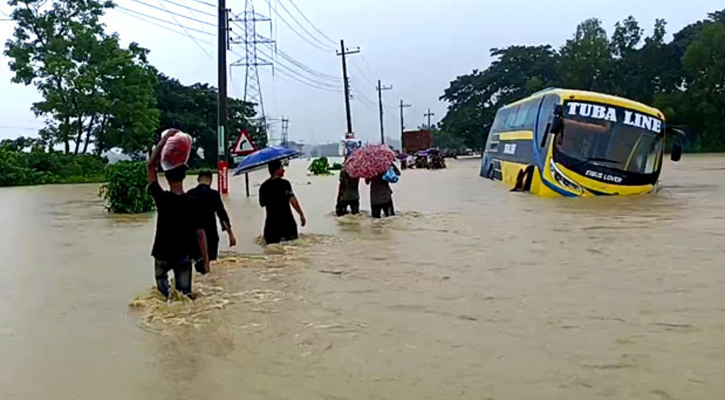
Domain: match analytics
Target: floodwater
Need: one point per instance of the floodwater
(472, 292)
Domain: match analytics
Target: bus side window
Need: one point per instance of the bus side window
(521, 117)
(499, 121)
(510, 124)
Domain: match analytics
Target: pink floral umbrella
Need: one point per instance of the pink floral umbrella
(369, 161)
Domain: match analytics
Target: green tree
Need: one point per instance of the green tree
(474, 99)
(193, 109)
(91, 87)
(586, 60)
(704, 62)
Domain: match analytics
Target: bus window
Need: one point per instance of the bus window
(511, 119)
(499, 121)
(521, 116)
(530, 123)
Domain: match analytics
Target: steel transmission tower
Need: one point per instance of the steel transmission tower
(285, 132)
(251, 60)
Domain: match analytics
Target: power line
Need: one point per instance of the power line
(160, 26)
(301, 36)
(174, 13)
(325, 89)
(184, 29)
(189, 8)
(300, 25)
(159, 19)
(314, 77)
(306, 68)
(204, 3)
(311, 24)
(299, 64)
(287, 71)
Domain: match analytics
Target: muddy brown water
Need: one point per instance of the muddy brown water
(472, 292)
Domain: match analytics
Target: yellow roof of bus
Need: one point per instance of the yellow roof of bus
(583, 95)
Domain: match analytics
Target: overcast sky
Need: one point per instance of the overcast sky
(416, 46)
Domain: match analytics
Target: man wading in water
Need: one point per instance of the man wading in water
(276, 196)
(211, 207)
(348, 194)
(179, 232)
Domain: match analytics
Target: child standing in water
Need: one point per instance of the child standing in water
(276, 196)
(179, 233)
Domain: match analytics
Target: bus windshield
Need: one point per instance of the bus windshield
(611, 137)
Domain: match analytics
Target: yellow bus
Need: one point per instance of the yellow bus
(573, 143)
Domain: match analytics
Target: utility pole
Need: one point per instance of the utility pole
(380, 88)
(222, 166)
(428, 114)
(344, 52)
(402, 123)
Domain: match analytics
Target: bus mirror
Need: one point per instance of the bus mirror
(676, 153)
(557, 122)
(557, 125)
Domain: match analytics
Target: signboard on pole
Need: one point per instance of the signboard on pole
(244, 145)
(223, 177)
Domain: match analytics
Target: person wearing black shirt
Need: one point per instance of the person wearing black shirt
(211, 207)
(179, 232)
(276, 196)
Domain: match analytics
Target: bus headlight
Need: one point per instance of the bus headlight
(564, 180)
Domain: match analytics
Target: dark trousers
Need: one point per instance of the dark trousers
(276, 232)
(387, 208)
(182, 276)
(341, 207)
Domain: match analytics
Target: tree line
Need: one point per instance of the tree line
(684, 77)
(99, 95)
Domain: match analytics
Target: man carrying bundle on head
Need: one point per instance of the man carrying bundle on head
(180, 235)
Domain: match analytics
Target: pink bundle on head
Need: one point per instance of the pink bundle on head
(176, 151)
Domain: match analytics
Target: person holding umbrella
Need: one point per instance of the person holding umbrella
(381, 195)
(374, 163)
(276, 196)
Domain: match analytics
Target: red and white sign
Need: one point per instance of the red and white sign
(223, 177)
(245, 145)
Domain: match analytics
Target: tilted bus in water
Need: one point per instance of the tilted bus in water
(574, 143)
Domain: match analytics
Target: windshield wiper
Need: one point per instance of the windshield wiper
(594, 160)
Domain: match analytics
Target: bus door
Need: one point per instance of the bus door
(542, 136)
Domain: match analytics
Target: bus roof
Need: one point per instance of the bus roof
(567, 94)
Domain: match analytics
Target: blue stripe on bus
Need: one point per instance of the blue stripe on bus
(557, 189)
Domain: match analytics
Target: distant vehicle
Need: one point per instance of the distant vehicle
(415, 141)
(573, 143)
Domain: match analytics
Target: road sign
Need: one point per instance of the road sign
(244, 145)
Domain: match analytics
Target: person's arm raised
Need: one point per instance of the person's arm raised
(156, 156)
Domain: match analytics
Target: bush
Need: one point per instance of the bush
(125, 189)
(19, 168)
(320, 166)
